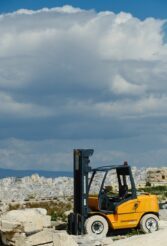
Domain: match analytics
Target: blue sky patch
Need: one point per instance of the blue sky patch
(139, 8)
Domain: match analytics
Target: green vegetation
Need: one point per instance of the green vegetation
(59, 210)
(160, 191)
(55, 208)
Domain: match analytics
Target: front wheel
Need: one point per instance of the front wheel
(96, 225)
(149, 223)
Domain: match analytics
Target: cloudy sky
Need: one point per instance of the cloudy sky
(82, 75)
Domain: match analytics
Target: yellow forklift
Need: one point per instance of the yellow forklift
(111, 208)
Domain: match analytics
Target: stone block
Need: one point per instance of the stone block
(43, 237)
(63, 239)
(26, 220)
(8, 226)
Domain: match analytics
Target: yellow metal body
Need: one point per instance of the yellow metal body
(129, 213)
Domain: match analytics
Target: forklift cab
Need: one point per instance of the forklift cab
(110, 186)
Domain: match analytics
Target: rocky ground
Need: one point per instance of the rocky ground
(158, 238)
(52, 194)
(31, 227)
(20, 189)
(34, 187)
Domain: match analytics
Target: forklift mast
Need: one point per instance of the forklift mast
(81, 167)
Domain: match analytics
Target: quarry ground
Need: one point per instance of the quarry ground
(55, 195)
(158, 238)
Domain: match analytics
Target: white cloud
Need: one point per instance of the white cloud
(67, 9)
(72, 73)
(122, 86)
(11, 107)
(128, 108)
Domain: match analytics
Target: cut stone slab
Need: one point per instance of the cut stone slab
(63, 239)
(9, 226)
(43, 237)
(16, 239)
(47, 237)
(107, 241)
(26, 220)
(48, 244)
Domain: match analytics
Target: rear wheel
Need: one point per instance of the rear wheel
(149, 223)
(96, 225)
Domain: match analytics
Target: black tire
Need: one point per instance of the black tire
(149, 223)
(96, 225)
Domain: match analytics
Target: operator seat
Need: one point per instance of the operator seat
(123, 191)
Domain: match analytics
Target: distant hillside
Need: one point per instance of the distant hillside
(22, 173)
